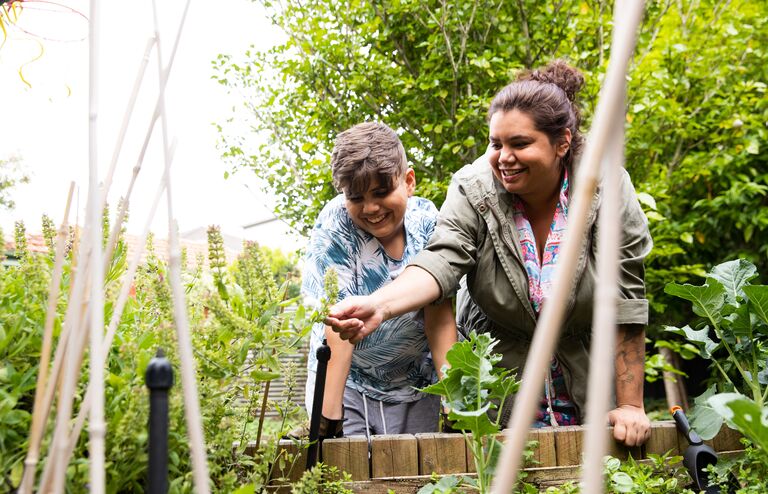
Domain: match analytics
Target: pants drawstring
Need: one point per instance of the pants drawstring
(381, 411)
(548, 389)
(367, 426)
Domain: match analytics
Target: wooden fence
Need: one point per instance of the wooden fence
(405, 462)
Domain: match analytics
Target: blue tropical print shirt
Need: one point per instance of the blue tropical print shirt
(389, 363)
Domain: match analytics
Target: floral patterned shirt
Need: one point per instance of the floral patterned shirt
(540, 276)
(389, 363)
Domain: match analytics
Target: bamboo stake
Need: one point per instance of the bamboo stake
(62, 453)
(117, 313)
(96, 425)
(603, 347)
(40, 412)
(188, 372)
(155, 115)
(127, 118)
(548, 328)
(76, 310)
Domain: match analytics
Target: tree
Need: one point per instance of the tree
(426, 68)
(696, 109)
(11, 175)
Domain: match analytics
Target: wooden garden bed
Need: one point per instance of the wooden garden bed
(404, 462)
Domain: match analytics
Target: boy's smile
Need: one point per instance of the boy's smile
(380, 211)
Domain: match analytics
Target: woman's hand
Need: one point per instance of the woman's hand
(354, 318)
(630, 425)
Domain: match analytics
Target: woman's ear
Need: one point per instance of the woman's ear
(410, 181)
(565, 143)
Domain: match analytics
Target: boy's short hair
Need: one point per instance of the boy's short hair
(364, 153)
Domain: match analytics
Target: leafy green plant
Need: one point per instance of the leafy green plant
(237, 343)
(471, 387)
(661, 474)
(322, 479)
(732, 333)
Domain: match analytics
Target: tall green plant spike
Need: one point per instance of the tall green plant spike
(49, 234)
(20, 237)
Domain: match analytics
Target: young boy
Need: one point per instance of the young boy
(368, 234)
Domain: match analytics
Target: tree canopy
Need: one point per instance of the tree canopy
(696, 120)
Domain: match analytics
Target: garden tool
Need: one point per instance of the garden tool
(323, 355)
(697, 455)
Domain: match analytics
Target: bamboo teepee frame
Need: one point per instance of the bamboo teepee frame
(608, 116)
(84, 314)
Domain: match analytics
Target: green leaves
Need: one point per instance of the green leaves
(705, 419)
(758, 301)
(734, 275)
(708, 300)
(745, 415)
(699, 338)
(472, 386)
(738, 312)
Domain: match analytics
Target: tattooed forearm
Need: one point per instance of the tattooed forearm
(630, 365)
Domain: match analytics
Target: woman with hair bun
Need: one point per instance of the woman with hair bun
(499, 234)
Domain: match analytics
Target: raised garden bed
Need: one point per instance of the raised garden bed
(405, 462)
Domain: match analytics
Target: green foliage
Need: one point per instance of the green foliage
(20, 240)
(732, 333)
(472, 386)
(697, 112)
(695, 125)
(23, 298)
(747, 474)
(322, 479)
(428, 70)
(663, 474)
(237, 343)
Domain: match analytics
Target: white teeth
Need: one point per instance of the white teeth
(376, 219)
(509, 173)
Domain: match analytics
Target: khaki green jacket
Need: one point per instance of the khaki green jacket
(475, 236)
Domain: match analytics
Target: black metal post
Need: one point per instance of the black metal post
(159, 379)
(323, 356)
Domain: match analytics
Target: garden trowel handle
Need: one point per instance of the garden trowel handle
(683, 426)
(323, 356)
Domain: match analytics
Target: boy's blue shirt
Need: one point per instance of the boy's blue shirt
(392, 361)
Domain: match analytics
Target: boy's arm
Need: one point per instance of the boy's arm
(336, 376)
(440, 328)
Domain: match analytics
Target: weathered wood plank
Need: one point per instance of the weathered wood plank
(663, 439)
(349, 454)
(441, 453)
(620, 451)
(568, 445)
(544, 454)
(727, 440)
(394, 456)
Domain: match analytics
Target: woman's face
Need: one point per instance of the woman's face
(522, 158)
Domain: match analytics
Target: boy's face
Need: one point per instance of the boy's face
(380, 210)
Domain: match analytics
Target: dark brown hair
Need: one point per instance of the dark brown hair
(364, 153)
(549, 96)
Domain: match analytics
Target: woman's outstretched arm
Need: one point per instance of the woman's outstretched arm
(354, 318)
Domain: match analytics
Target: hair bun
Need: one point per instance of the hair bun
(559, 73)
